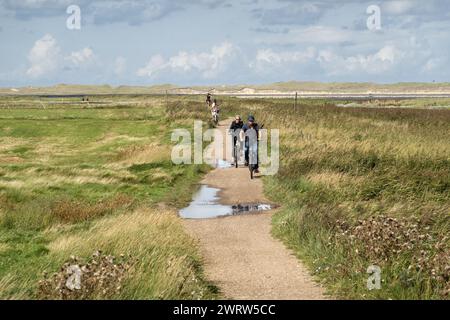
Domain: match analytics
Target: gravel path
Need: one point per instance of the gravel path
(240, 255)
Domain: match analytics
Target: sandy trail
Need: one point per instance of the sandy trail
(240, 255)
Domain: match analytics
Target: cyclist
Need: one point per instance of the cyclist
(237, 124)
(215, 107)
(251, 140)
(215, 110)
(208, 100)
(235, 130)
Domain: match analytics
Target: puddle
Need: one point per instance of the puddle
(205, 204)
(222, 164)
(252, 207)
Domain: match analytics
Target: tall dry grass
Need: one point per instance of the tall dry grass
(364, 167)
(71, 178)
(164, 258)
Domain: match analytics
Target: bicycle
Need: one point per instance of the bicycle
(253, 161)
(253, 157)
(236, 151)
(215, 116)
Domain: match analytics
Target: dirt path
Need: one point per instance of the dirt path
(240, 255)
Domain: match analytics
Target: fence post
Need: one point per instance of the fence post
(296, 97)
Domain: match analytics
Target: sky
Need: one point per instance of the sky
(204, 42)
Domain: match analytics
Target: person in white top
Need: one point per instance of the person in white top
(215, 107)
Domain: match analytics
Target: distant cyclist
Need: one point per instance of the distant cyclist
(215, 106)
(208, 100)
(215, 110)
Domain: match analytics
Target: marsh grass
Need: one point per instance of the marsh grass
(358, 186)
(364, 166)
(164, 262)
(76, 178)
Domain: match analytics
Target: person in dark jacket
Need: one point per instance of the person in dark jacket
(208, 100)
(235, 130)
(251, 124)
(237, 124)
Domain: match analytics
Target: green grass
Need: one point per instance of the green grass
(352, 165)
(348, 165)
(422, 103)
(352, 181)
(76, 179)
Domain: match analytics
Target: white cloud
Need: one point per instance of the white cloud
(326, 62)
(156, 63)
(270, 56)
(267, 59)
(44, 57)
(84, 56)
(379, 62)
(207, 64)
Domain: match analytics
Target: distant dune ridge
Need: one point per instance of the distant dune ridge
(279, 88)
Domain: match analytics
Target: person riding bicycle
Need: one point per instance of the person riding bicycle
(251, 142)
(215, 111)
(215, 107)
(237, 123)
(235, 129)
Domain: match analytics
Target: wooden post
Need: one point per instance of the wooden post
(296, 97)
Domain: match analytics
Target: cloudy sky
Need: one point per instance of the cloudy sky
(144, 42)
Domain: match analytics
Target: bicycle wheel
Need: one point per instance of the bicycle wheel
(235, 155)
(253, 162)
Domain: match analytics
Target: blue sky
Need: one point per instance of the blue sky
(145, 42)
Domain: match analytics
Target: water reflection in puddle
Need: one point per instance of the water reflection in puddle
(222, 164)
(242, 208)
(205, 205)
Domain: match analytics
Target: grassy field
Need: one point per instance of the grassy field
(76, 178)
(361, 187)
(422, 103)
(366, 184)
